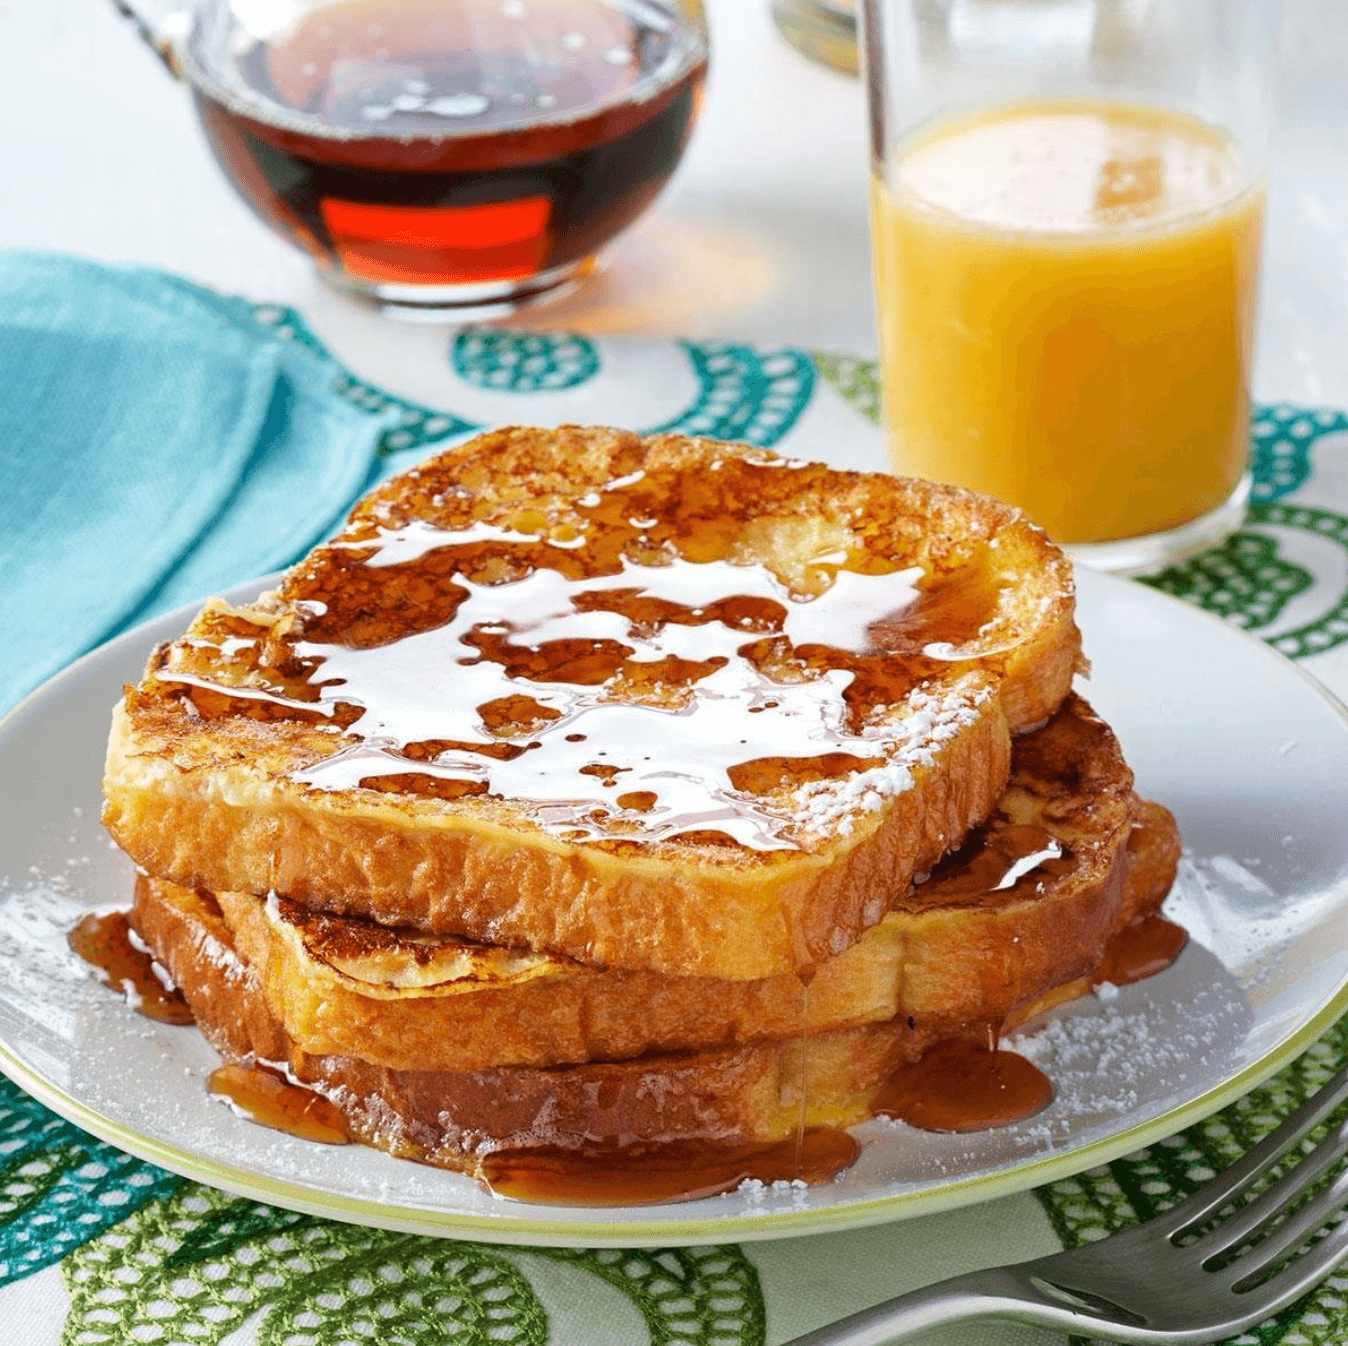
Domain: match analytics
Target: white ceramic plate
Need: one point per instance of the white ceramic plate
(1251, 755)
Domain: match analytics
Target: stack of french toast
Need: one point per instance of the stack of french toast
(589, 793)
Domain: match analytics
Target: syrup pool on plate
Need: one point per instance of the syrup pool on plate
(961, 1084)
(106, 941)
(449, 151)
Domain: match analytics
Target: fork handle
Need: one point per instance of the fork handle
(998, 1292)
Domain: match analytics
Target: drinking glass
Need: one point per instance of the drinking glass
(1066, 216)
(442, 158)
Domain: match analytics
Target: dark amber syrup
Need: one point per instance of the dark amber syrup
(639, 1175)
(964, 1086)
(104, 940)
(1141, 950)
(263, 1096)
(635, 688)
(416, 142)
(999, 860)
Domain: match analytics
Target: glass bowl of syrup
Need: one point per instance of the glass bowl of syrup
(445, 158)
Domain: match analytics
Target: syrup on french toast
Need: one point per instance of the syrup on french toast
(625, 818)
(929, 1063)
(1029, 901)
(666, 705)
(105, 940)
(605, 669)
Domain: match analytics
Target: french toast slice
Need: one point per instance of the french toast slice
(1024, 905)
(661, 704)
(755, 1092)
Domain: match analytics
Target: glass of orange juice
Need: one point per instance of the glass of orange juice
(1067, 203)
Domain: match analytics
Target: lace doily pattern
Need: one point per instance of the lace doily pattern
(190, 1269)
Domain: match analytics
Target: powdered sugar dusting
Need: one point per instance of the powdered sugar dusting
(932, 718)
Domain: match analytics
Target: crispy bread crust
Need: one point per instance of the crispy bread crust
(748, 1092)
(951, 951)
(216, 805)
(352, 857)
(453, 1118)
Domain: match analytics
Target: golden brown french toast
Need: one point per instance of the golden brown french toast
(661, 704)
(1025, 905)
(756, 1092)
(452, 1117)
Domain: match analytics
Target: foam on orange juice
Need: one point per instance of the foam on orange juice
(1066, 299)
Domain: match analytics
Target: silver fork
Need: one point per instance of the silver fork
(1198, 1272)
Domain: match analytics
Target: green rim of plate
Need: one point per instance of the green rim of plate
(715, 1229)
(510, 1228)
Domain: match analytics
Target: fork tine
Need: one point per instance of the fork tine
(1289, 1235)
(1267, 1205)
(1231, 1182)
(1301, 1274)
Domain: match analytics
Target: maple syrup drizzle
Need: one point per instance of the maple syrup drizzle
(805, 976)
(639, 676)
(669, 1171)
(999, 861)
(964, 1086)
(264, 1097)
(958, 1085)
(1141, 950)
(670, 708)
(105, 941)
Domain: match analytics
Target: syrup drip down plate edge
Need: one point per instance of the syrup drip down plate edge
(1246, 749)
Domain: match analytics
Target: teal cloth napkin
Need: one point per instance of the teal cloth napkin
(157, 444)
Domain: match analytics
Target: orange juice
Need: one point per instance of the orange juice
(1066, 297)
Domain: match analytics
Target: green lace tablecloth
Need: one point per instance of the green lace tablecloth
(99, 1247)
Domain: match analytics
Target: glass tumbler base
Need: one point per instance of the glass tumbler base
(1154, 551)
(465, 302)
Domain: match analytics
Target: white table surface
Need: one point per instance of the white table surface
(761, 236)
